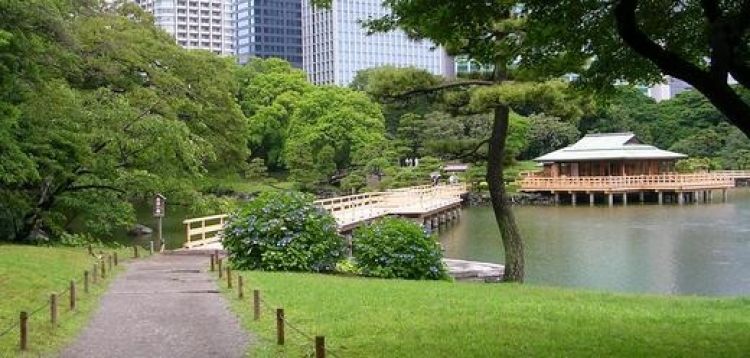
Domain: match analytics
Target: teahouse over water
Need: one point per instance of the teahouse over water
(615, 165)
(609, 154)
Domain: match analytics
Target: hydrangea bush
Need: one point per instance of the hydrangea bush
(398, 248)
(283, 231)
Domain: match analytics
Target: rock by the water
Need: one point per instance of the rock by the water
(140, 230)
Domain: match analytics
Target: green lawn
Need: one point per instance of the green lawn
(28, 275)
(379, 318)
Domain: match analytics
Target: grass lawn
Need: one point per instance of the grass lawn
(28, 275)
(381, 318)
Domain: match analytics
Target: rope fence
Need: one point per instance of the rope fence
(100, 271)
(276, 311)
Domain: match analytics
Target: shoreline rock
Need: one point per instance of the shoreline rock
(483, 199)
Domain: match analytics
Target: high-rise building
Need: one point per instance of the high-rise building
(196, 24)
(336, 47)
(269, 28)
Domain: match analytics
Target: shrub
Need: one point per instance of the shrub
(398, 248)
(283, 231)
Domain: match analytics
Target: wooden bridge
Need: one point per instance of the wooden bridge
(427, 205)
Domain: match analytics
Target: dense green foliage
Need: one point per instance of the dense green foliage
(283, 231)
(398, 248)
(99, 108)
(400, 318)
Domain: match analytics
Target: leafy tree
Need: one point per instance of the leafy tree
(700, 42)
(103, 107)
(378, 80)
(547, 134)
(706, 143)
(411, 135)
(268, 92)
(339, 122)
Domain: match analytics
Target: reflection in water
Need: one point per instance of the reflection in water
(693, 249)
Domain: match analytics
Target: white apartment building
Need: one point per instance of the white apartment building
(336, 47)
(196, 24)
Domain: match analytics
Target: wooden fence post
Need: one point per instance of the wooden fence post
(320, 347)
(95, 274)
(229, 277)
(114, 255)
(72, 295)
(86, 281)
(280, 326)
(219, 267)
(213, 263)
(104, 269)
(53, 309)
(135, 251)
(24, 330)
(109, 262)
(91, 250)
(240, 293)
(151, 247)
(256, 305)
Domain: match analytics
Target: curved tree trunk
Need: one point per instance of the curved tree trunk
(512, 243)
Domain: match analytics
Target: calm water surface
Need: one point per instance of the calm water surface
(701, 249)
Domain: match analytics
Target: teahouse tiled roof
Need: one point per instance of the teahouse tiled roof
(608, 146)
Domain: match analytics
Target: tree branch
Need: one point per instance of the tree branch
(440, 87)
(473, 151)
(94, 187)
(715, 89)
(668, 61)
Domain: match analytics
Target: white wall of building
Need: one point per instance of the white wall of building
(196, 24)
(336, 47)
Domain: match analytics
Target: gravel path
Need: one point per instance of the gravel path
(164, 306)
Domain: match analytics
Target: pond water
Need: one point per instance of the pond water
(701, 249)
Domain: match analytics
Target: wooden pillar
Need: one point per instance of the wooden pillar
(573, 198)
(591, 199)
(428, 225)
(642, 197)
(611, 199)
(680, 198)
(724, 195)
(661, 197)
(711, 195)
(624, 199)
(557, 198)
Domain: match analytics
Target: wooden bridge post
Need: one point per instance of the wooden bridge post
(661, 197)
(724, 195)
(611, 199)
(427, 225)
(23, 334)
(557, 198)
(641, 197)
(625, 199)
(591, 198)
(573, 198)
(680, 198)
